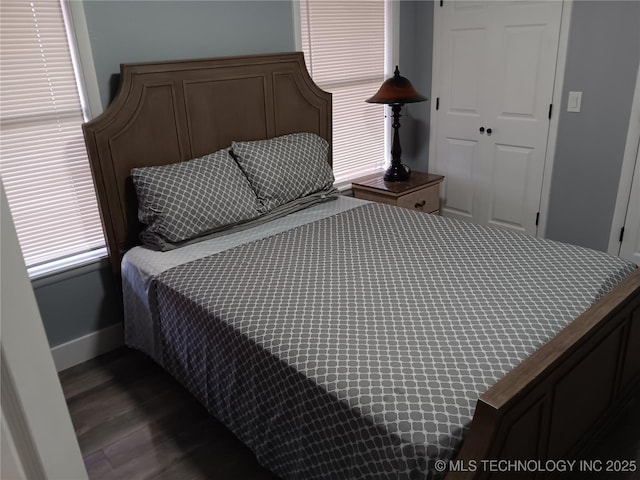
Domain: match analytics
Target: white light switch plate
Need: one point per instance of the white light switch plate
(575, 100)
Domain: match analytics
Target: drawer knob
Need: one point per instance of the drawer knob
(420, 204)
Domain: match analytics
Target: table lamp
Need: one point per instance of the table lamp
(396, 91)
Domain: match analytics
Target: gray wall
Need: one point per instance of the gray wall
(140, 31)
(78, 302)
(84, 300)
(602, 62)
(416, 38)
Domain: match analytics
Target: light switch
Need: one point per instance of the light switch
(575, 100)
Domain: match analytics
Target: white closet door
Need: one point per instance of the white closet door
(630, 247)
(495, 83)
(627, 211)
(463, 81)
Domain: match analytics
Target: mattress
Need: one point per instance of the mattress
(354, 342)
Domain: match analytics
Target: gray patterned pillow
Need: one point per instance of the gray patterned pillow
(285, 168)
(184, 200)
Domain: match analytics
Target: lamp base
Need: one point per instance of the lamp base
(397, 172)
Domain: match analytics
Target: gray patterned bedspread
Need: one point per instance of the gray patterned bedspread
(356, 346)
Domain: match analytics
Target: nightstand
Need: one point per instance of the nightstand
(420, 192)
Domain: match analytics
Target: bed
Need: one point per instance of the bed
(385, 383)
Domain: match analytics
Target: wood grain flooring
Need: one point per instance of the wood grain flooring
(133, 421)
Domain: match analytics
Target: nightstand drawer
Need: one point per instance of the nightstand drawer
(420, 192)
(425, 200)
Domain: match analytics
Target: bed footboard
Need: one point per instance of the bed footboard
(546, 408)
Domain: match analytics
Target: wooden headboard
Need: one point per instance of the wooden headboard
(167, 112)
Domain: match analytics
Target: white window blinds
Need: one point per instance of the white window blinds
(43, 162)
(344, 46)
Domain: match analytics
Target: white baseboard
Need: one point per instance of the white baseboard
(87, 347)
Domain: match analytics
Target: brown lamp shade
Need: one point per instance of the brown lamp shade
(396, 90)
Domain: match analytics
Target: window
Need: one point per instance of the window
(43, 162)
(345, 44)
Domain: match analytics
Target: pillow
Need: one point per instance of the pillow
(285, 168)
(184, 200)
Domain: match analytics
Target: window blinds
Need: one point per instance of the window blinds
(43, 162)
(344, 46)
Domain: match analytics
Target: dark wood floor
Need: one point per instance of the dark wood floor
(133, 421)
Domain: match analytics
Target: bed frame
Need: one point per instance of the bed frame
(170, 111)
